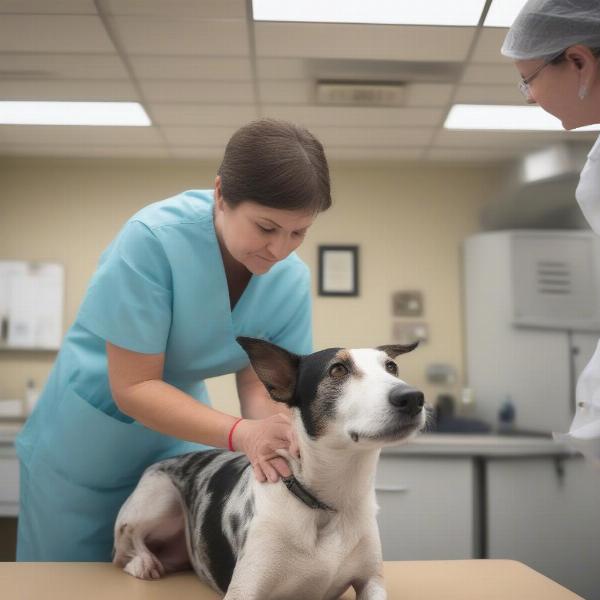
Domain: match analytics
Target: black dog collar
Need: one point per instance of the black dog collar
(304, 495)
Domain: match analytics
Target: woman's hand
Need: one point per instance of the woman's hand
(259, 439)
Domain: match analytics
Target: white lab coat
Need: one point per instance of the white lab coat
(584, 433)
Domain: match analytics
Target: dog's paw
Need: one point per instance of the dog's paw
(145, 566)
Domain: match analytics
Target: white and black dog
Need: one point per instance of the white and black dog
(308, 537)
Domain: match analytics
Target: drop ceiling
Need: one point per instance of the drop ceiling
(202, 68)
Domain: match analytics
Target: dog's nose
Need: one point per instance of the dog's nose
(407, 400)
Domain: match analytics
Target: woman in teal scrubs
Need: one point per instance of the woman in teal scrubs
(181, 280)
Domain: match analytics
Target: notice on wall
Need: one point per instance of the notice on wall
(31, 305)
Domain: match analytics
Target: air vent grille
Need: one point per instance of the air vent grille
(352, 93)
(554, 277)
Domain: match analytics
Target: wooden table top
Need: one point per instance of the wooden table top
(405, 580)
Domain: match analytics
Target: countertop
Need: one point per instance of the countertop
(485, 445)
(410, 580)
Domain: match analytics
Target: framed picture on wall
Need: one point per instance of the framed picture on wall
(338, 270)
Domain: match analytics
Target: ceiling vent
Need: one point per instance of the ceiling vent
(388, 71)
(361, 93)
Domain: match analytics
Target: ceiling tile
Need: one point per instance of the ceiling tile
(205, 9)
(109, 151)
(329, 40)
(191, 67)
(143, 35)
(496, 139)
(68, 90)
(489, 94)
(487, 49)
(355, 116)
(196, 152)
(421, 95)
(374, 154)
(295, 91)
(474, 154)
(282, 68)
(43, 7)
(373, 137)
(358, 69)
(215, 92)
(196, 114)
(78, 135)
(61, 66)
(53, 33)
(491, 73)
(198, 136)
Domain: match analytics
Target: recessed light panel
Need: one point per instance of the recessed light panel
(502, 13)
(381, 12)
(129, 114)
(505, 117)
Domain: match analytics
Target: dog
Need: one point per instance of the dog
(308, 537)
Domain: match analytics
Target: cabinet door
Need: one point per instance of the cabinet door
(425, 507)
(547, 515)
(9, 485)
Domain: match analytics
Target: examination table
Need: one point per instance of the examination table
(418, 580)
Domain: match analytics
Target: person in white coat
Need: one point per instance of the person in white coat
(556, 48)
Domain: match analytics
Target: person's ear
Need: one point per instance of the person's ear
(219, 202)
(584, 61)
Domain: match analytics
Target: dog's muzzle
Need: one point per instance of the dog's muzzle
(407, 400)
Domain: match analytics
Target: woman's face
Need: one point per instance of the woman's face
(258, 236)
(556, 87)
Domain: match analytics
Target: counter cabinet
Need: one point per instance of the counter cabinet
(543, 511)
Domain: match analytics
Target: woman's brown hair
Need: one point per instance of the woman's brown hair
(276, 164)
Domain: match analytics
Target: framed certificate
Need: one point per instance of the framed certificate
(338, 270)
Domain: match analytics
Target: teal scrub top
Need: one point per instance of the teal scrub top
(160, 287)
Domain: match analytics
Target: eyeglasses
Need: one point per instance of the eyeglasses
(525, 81)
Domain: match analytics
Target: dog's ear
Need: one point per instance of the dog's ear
(394, 350)
(275, 367)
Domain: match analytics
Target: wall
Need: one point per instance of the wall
(409, 220)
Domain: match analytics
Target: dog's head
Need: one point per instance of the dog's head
(344, 397)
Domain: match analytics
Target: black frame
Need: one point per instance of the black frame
(354, 251)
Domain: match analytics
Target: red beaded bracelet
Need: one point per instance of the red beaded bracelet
(231, 433)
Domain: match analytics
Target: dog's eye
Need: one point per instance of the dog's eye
(338, 370)
(391, 367)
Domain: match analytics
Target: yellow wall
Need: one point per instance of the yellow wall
(408, 219)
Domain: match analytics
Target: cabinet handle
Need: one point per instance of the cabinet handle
(391, 488)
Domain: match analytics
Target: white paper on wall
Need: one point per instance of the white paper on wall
(31, 305)
(338, 271)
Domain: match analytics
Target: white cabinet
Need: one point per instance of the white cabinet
(547, 515)
(425, 507)
(9, 482)
(524, 292)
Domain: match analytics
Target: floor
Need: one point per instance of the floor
(8, 539)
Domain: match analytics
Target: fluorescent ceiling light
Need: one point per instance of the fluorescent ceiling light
(73, 113)
(502, 13)
(489, 116)
(382, 12)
